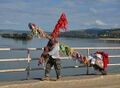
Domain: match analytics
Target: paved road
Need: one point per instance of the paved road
(90, 81)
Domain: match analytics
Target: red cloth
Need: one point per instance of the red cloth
(61, 24)
(105, 58)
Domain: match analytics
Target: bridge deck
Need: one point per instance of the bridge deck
(83, 81)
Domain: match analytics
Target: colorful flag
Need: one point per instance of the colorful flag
(61, 24)
(37, 31)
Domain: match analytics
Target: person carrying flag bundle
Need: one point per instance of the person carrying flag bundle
(53, 59)
(51, 51)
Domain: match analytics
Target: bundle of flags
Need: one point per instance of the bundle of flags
(61, 24)
(65, 50)
(36, 31)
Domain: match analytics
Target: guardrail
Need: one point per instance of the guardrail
(29, 59)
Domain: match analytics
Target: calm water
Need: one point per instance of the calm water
(38, 43)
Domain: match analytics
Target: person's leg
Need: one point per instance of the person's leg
(57, 65)
(49, 64)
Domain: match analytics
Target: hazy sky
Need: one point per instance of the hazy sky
(16, 14)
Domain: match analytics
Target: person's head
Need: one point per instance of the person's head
(52, 41)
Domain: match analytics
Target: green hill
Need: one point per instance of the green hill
(93, 33)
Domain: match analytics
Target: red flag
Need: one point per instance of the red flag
(61, 24)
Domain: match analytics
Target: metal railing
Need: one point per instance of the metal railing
(29, 59)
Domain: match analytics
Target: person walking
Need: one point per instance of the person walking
(54, 59)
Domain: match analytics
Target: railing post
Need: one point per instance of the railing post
(87, 72)
(28, 66)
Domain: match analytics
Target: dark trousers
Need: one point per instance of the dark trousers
(53, 62)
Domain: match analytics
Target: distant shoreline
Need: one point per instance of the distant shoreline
(118, 39)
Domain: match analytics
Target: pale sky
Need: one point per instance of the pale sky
(81, 14)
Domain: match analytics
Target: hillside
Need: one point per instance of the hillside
(93, 33)
(86, 33)
(2, 31)
(16, 34)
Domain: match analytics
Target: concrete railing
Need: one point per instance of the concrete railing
(29, 59)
